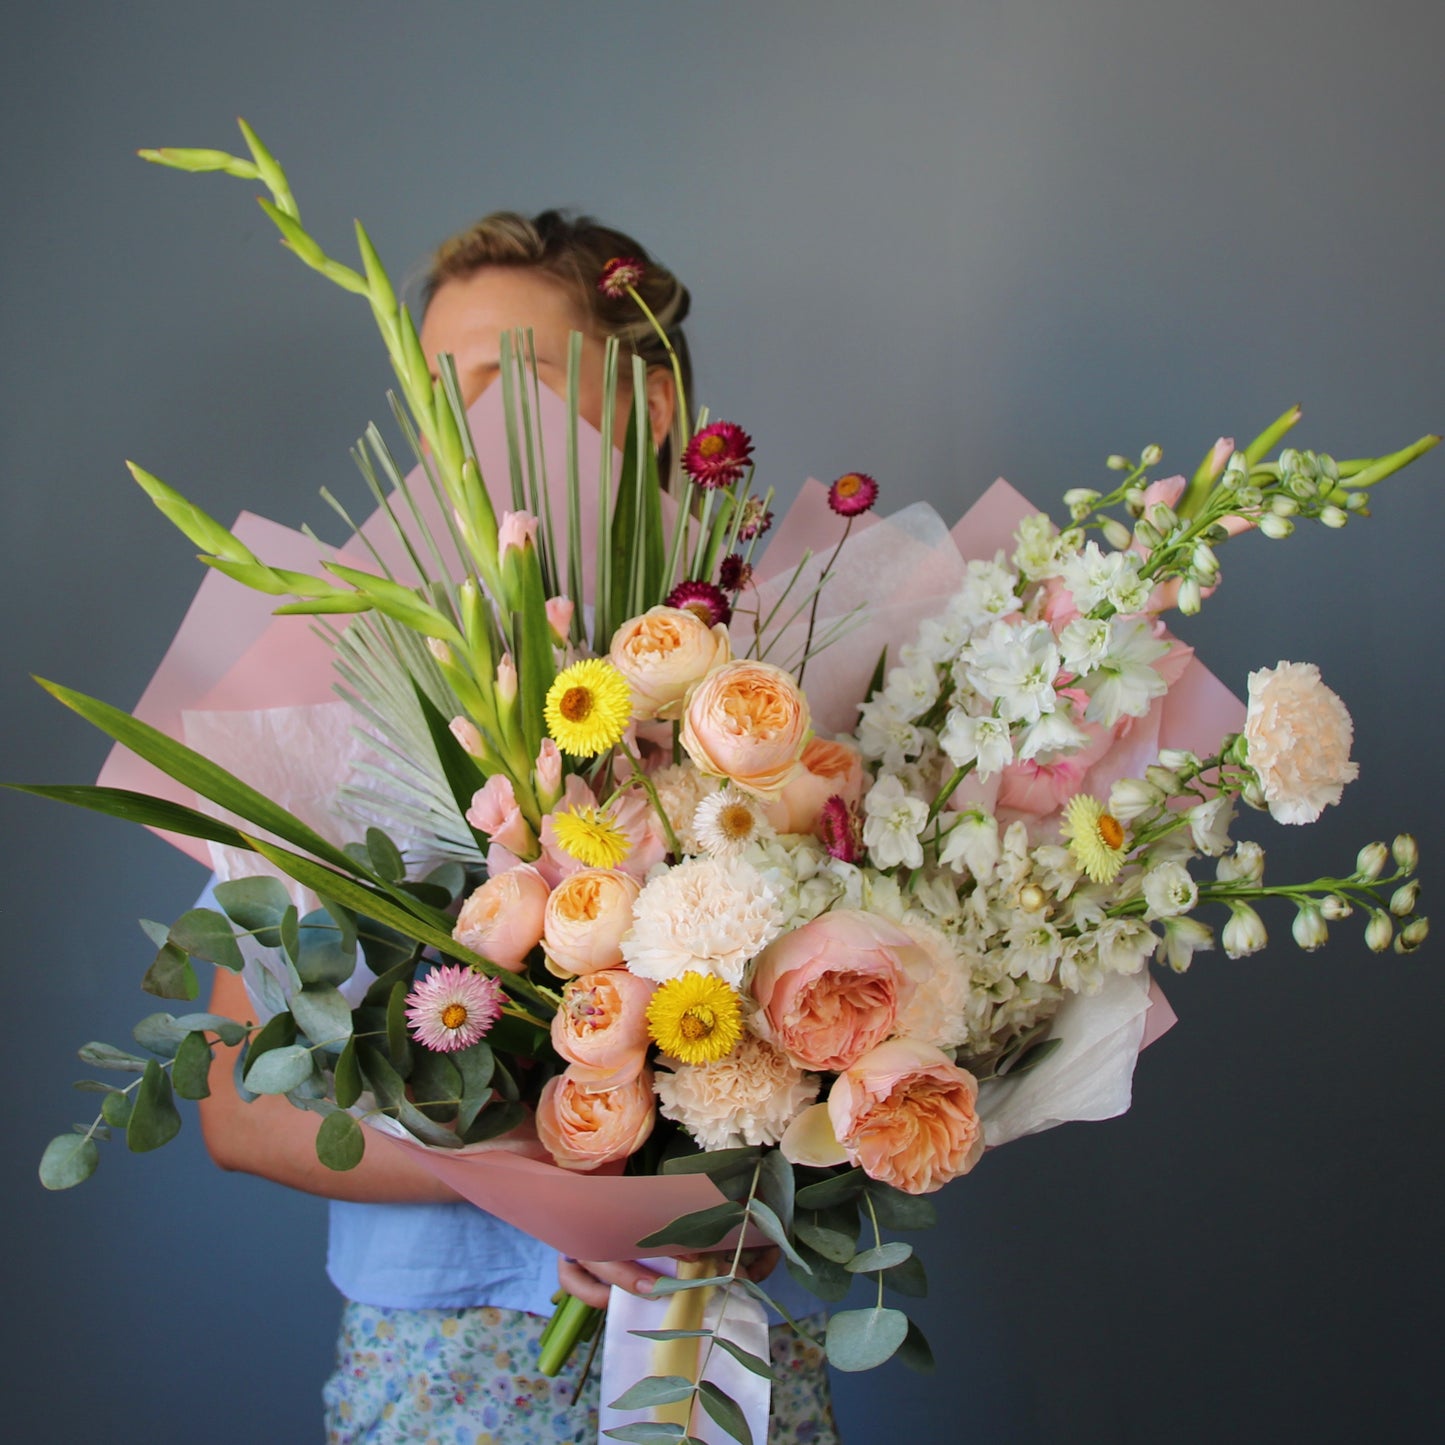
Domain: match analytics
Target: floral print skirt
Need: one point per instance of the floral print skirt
(469, 1377)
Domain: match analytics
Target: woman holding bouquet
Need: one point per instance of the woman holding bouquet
(445, 1304)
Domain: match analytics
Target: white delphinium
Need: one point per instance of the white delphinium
(1309, 928)
(1132, 798)
(1169, 891)
(1125, 682)
(939, 639)
(1183, 938)
(1244, 933)
(1056, 870)
(1038, 550)
(1083, 643)
(1055, 732)
(983, 739)
(707, 915)
(1124, 944)
(1209, 824)
(1035, 947)
(1079, 967)
(972, 844)
(1244, 865)
(893, 821)
(886, 734)
(988, 592)
(1015, 667)
(912, 689)
(1095, 576)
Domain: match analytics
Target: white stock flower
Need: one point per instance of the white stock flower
(1016, 667)
(1209, 824)
(707, 915)
(1169, 891)
(986, 739)
(1298, 734)
(893, 821)
(972, 843)
(1125, 682)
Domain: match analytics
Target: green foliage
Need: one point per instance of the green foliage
(107, 1056)
(322, 1015)
(864, 1339)
(154, 1120)
(117, 1108)
(191, 1071)
(257, 905)
(398, 1040)
(726, 1411)
(68, 1160)
(916, 1352)
(821, 1276)
(386, 859)
(495, 1119)
(347, 1076)
(699, 1230)
(206, 934)
(654, 1390)
(340, 1141)
(171, 975)
(280, 1070)
(836, 1189)
(908, 1278)
(326, 949)
(882, 1256)
(436, 1085)
(776, 1188)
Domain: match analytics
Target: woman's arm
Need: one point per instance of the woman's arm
(272, 1138)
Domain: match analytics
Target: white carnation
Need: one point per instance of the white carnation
(749, 1097)
(680, 788)
(937, 1011)
(707, 915)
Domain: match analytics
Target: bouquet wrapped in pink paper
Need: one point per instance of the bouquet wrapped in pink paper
(649, 918)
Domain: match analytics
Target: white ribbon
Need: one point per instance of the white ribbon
(626, 1359)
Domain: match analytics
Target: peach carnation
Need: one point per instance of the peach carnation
(1298, 734)
(906, 1113)
(749, 1097)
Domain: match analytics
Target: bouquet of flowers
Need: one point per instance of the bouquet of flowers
(573, 893)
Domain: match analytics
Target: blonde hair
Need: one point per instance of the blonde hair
(573, 250)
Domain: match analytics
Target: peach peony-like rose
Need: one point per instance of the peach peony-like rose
(502, 920)
(747, 721)
(831, 990)
(587, 915)
(601, 1027)
(1298, 733)
(662, 654)
(906, 1113)
(828, 769)
(584, 1129)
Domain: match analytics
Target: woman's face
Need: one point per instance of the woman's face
(468, 316)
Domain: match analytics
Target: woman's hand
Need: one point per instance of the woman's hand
(590, 1280)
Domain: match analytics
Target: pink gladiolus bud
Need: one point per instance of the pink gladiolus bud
(507, 680)
(518, 529)
(549, 773)
(439, 650)
(559, 615)
(494, 811)
(464, 730)
(1223, 450)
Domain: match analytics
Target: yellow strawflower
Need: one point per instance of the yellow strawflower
(695, 1018)
(588, 707)
(1095, 837)
(591, 836)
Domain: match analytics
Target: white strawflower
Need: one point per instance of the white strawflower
(892, 823)
(1169, 891)
(728, 821)
(1209, 824)
(1125, 682)
(749, 1097)
(707, 915)
(1298, 735)
(986, 739)
(680, 788)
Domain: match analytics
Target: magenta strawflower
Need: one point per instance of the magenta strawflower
(756, 519)
(733, 574)
(718, 455)
(841, 830)
(452, 1007)
(853, 494)
(618, 274)
(702, 598)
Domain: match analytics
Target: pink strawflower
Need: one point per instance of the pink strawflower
(852, 494)
(756, 519)
(718, 455)
(452, 1007)
(618, 274)
(841, 830)
(733, 574)
(703, 599)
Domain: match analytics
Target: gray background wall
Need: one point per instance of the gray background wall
(937, 242)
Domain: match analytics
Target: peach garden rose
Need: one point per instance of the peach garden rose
(586, 917)
(662, 654)
(829, 769)
(584, 1129)
(906, 1114)
(601, 1027)
(502, 920)
(747, 721)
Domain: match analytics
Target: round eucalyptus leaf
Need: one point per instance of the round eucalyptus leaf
(154, 1120)
(339, 1141)
(68, 1160)
(191, 1072)
(864, 1339)
(116, 1109)
(278, 1071)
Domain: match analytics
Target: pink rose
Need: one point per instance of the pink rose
(831, 990)
(828, 769)
(583, 1129)
(494, 811)
(503, 919)
(662, 654)
(588, 913)
(906, 1114)
(601, 1027)
(747, 721)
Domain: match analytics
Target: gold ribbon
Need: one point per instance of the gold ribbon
(685, 1311)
